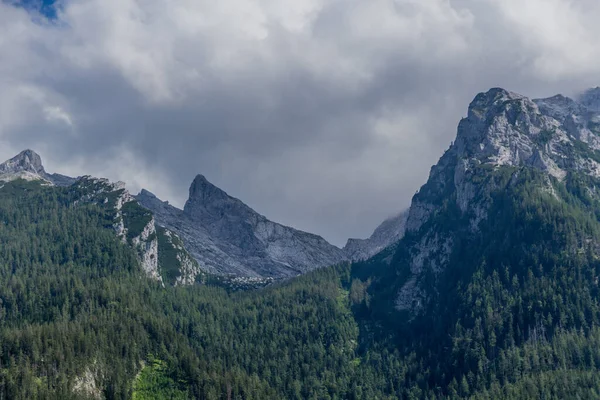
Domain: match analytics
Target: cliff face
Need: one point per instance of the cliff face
(131, 223)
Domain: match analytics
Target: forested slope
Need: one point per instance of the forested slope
(79, 318)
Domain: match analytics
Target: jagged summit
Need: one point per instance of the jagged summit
(147, 193)
(204, 193)
(504, 128)
(495, 110)
(201, 186)
(522, 112)
(488, 103)
(495, 95)
(28, 165)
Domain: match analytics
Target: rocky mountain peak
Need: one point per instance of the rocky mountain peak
(25, 161)
(557, 137)
(147, 197)
(493, 112)
(207, 202)
(488, 104)
(204, 192)
(28, 165)
(504, 128)
(226, 236)
(146, 193)
(493, 98)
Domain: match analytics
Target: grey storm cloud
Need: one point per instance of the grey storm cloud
(321, 114)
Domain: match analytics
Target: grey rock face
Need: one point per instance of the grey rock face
(147, 245)
(557, 135)
(227, 237)
(389, 232)
(580, 119)
(28, 165)
(26, 161)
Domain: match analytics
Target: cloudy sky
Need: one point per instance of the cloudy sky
(321, 114)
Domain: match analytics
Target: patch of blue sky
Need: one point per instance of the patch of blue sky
(45, 8)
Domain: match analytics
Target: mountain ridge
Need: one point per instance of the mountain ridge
(228, 237)
(223, 234)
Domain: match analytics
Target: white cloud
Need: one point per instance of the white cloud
(55, 113)
(560, 36)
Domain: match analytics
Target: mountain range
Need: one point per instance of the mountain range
(487, 287)
(223, 235)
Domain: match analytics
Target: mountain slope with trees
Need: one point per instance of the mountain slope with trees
(492, 292)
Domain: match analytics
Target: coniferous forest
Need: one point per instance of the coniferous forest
(517, 315)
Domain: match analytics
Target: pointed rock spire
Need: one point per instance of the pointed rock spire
(202, 191)
(207, 201)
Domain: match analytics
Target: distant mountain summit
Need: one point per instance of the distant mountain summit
(227, 237)
(389, 232)
(204, 194)
(28, 165)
